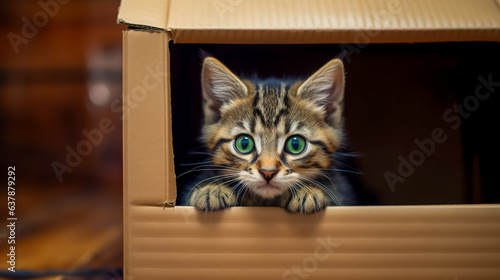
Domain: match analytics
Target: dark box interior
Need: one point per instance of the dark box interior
(421, 117)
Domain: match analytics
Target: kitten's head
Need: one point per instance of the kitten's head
(272, 135)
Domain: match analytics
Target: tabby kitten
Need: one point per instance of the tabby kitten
(271, 142)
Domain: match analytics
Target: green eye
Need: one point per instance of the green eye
(244, 144)
(295, 145)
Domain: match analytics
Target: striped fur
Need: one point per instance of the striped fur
(270, 111)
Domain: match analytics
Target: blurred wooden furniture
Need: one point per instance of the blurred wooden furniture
(45, 82)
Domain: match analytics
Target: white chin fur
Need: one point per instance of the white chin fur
(267, 191)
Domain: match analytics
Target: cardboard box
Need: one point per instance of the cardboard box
(164, 241)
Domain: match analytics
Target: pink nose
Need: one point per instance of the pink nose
(268, 174)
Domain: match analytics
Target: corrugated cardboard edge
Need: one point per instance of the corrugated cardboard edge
(317, 21)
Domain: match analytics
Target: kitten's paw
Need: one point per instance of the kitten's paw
(307, 200)
(212, 198)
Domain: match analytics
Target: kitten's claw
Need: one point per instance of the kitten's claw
(307, 200)
(212, 198)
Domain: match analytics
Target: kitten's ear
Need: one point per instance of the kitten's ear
(326, 89)
(220, 86)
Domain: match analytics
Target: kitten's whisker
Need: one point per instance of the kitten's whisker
(288, 186)
(246, 190)
(312, 193)
(194, 163)
(321, 174)
(195, 186)
(345, 154)
(215, 165)
(208, 169)
(329, 179)
(221, 167)
(199, 153)
(329, 192)
(243, 187)
(336, 200)
(296, 189)
(234, 188)
(220, 184)
(293, 189)
(308, 189)
(340, 163)
(343, 170)
(218, 177)
(192, 169)
(223, 183)
(321, 185)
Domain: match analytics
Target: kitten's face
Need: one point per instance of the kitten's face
(274, 137)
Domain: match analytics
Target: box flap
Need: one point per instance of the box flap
(151, 13)
(317, 21)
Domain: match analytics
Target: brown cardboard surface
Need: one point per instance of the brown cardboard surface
(392, 242)
(317, 21)
(151, 13)
(149, 177)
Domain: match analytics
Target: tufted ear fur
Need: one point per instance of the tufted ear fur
(220, 86)
(326, 89)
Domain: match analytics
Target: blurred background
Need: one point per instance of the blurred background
(60, 73)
